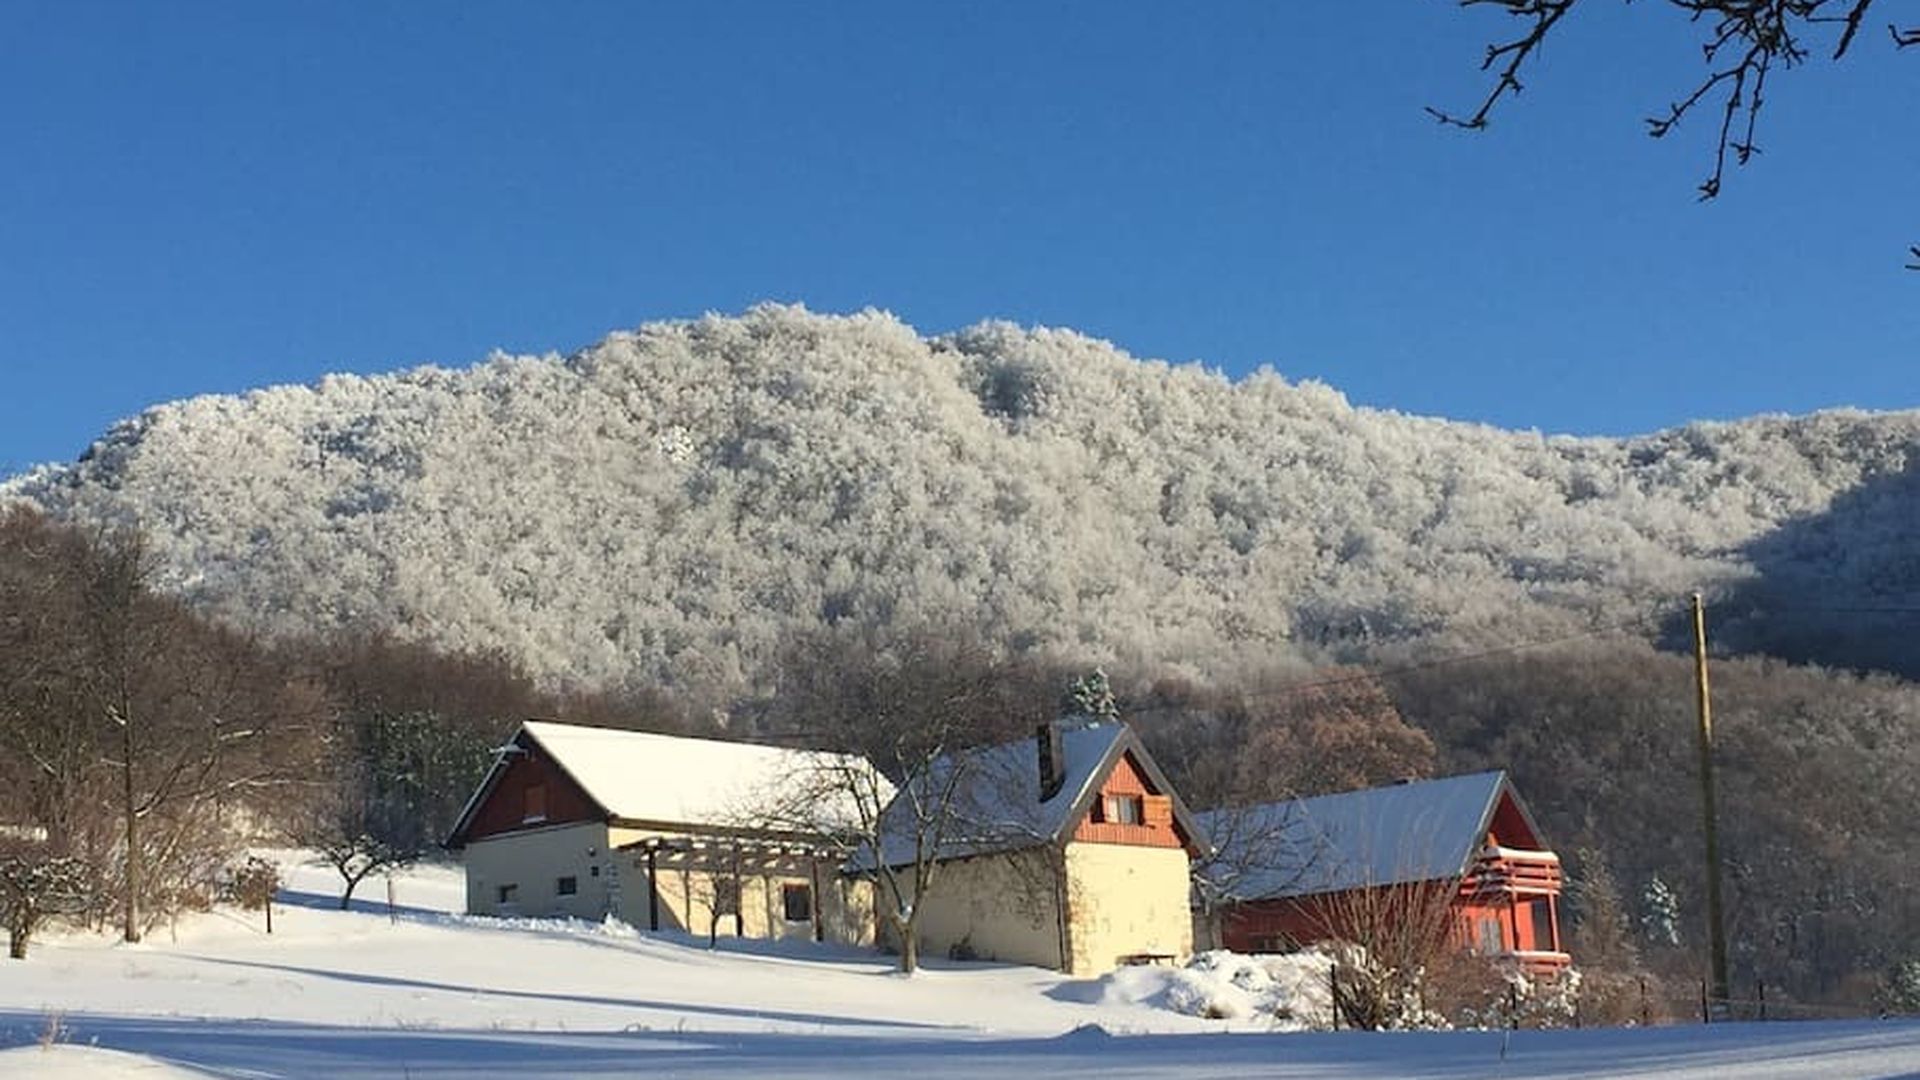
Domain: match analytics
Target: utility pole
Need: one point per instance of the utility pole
(1716, 934)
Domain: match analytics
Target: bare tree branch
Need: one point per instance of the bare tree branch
(1757, 34)
(1544, 13)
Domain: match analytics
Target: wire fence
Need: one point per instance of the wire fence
(1746, 1004)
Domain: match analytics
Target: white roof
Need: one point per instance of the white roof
(1418, 831)
(672, 779)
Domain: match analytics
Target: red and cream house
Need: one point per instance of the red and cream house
(1070, 851)
(590, 822)
(1307, 870)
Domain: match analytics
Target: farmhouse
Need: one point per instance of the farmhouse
(591, 822)
(1461, 852)
(1070, 850)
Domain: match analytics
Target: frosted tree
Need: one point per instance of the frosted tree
(1659, 913)
(1902, 994)
(1092, 697)
(672, 504)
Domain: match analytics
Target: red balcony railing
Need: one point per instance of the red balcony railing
(1512, 870)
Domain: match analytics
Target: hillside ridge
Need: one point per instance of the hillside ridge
(670, 504)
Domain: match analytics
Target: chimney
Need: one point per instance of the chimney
(1053, 766)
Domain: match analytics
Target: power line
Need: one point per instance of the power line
(1776, 609)
(1377, 674)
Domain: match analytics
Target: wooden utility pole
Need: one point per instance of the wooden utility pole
(1716, 934)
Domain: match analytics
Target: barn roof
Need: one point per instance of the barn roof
(645, 777)
(997, 806)
(1415, 831)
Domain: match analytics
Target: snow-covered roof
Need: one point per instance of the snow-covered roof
(996, 804)
(670, 780)
(1416, 831)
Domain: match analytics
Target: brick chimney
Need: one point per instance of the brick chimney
(1053, 764)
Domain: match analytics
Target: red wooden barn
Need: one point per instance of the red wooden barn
(1462, 850)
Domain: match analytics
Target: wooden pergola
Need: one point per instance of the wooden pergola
(738, 857)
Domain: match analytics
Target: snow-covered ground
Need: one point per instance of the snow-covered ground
(432, 993)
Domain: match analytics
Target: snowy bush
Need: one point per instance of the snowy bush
(1291, 992)
(1902, 995)
(1512, 998)
(253, 883)
(35, 885)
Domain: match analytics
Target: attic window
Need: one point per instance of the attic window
(536, 803)
(1123, 810)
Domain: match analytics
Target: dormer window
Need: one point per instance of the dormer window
(536, 803)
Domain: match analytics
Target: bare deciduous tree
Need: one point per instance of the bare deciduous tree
(1399, 934)
(126, 708)
(350, 830)
(896, 792)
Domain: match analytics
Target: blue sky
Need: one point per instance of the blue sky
(200, 198)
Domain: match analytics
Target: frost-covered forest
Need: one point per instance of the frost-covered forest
(666, 507)
(732, 521)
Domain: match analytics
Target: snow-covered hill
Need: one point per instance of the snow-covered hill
(667, 506)
(428, 993)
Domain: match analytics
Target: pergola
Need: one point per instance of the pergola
(738, 857)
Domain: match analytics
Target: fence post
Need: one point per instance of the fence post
(1760, 992)
(1513, 1007)
(1646, 1007)
(1333, 980)
(1706, 1016)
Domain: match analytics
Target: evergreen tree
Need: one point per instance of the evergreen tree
(1660, 913)
(1090, 696)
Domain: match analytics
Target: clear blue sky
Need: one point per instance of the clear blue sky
(201, 197)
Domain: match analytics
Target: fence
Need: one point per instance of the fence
(1753, 1006)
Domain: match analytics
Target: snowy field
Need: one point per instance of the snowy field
(434, 994)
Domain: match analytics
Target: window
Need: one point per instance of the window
(594, 870)
(507, 894)
(798, 900)
(726, 896)
(536, 803)
(1123, 810)
(1490, 942)
(567, 886)
(1542, 925)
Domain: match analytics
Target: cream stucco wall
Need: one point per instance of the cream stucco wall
(609, 881)
(1126, 901)
(995, 907)
(533, 862)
